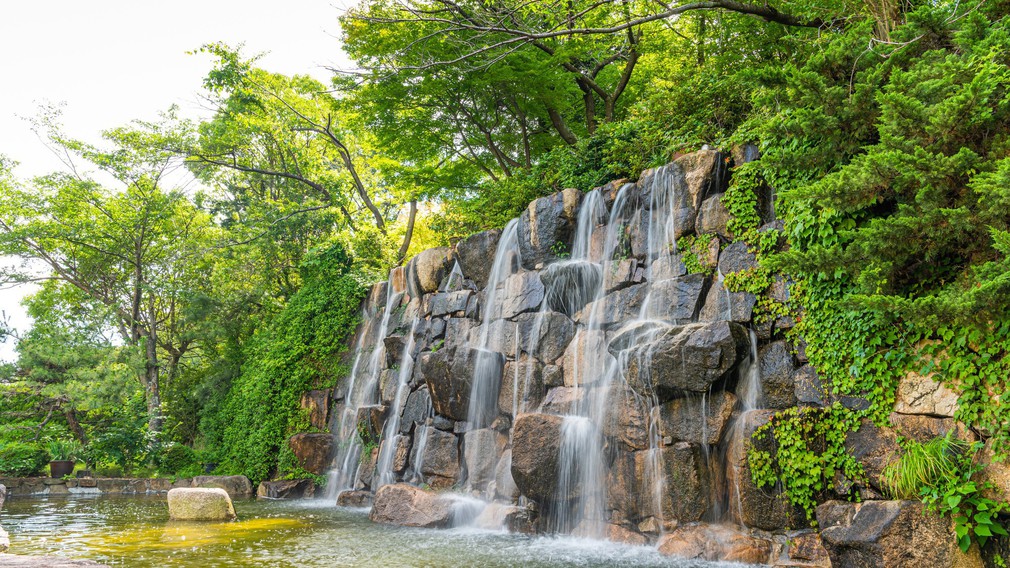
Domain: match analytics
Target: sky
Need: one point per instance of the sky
(112, 61)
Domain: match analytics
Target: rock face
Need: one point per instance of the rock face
(889, 534)
(449, 373)
(697, 419)
(200, 504)
(403, 504)
(536, 441)
(919, 394)
(317, 403)
(475, 255)
(688, 358)
(754, 506)
(234, 485)
(546, 227)
(313, 451)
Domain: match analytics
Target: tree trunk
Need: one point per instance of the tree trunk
(402, 253)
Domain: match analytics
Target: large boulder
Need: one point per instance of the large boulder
(716, 543)
(475, 255)
(889, 534)
(286, 489)
(807, 387)
(571, 284)
(403, 504)
(875, 447)
(736, 257)
(698, 419)
(626, 419)
(200, 504)
(536, 444)
(688, 482)
(426, 270)
(355, 499)
(450, 303)
(546, 227)
(721, 304)
(585, 360)
(480, 456)
(314, 451)
(687, 358)
(234, 485)
(615, 308)
(522, 386)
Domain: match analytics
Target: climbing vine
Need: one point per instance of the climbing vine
(693, 249)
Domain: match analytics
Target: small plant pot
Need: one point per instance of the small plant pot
(57, 469)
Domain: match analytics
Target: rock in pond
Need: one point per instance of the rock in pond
(354, 499)
(403, 504)
(286, 489)
(200, 504)
(716, 543)
(234, 485)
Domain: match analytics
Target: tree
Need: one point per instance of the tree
(136, 255)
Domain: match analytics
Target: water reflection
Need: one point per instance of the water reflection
(136, 532)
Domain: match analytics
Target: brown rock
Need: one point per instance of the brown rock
(314, 451)
(716, 543)
(536, 442)
(317, 403)
(402, 504)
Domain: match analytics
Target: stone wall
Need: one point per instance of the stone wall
(235, 485)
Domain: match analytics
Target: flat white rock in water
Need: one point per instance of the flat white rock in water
(200, 504)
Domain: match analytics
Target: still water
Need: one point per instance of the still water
(135, 532)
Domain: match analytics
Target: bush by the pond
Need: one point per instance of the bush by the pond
(22, 460)
(177, 458)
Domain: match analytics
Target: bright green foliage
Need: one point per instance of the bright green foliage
(809, 450)
(941, 472)
(64, 450)
(692, 249)
(298, 350)
(22, 460)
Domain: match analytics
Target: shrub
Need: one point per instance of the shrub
(177, 458)
(22, 460)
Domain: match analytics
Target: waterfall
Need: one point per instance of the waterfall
(483, 403)
(358, 396)
(391, 435)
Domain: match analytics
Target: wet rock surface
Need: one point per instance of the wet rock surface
(200, 504)
(406, 505)
(536, 443)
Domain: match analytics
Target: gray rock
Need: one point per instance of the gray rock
(355, 499)
(889, 534)
(406, 505)
(614, 308)
(626, 419)
(480, 456)
(449, 373)
(416, 410)
(723, 305)
(505, 486)
(521, 292)
(522, 386)
(586, 358)
(677, 299)
(536, 443)
(441, 455)
(666, 267)
(776, 368)
(713, 218)
(544, 224)
(200, 504)
(808, 388)
(450, 303)
(687, 358)
(561, 400)
(475, 255)
(697, 419)
(736, 257)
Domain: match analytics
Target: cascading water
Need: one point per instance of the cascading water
(359, 395)
(483, 403)
(391, 433)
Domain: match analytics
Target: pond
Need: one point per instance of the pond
(136, 532)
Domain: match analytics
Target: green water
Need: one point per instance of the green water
(136, 532)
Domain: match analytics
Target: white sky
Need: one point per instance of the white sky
(112, 61)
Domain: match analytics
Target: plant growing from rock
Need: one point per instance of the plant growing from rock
(940, 472)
